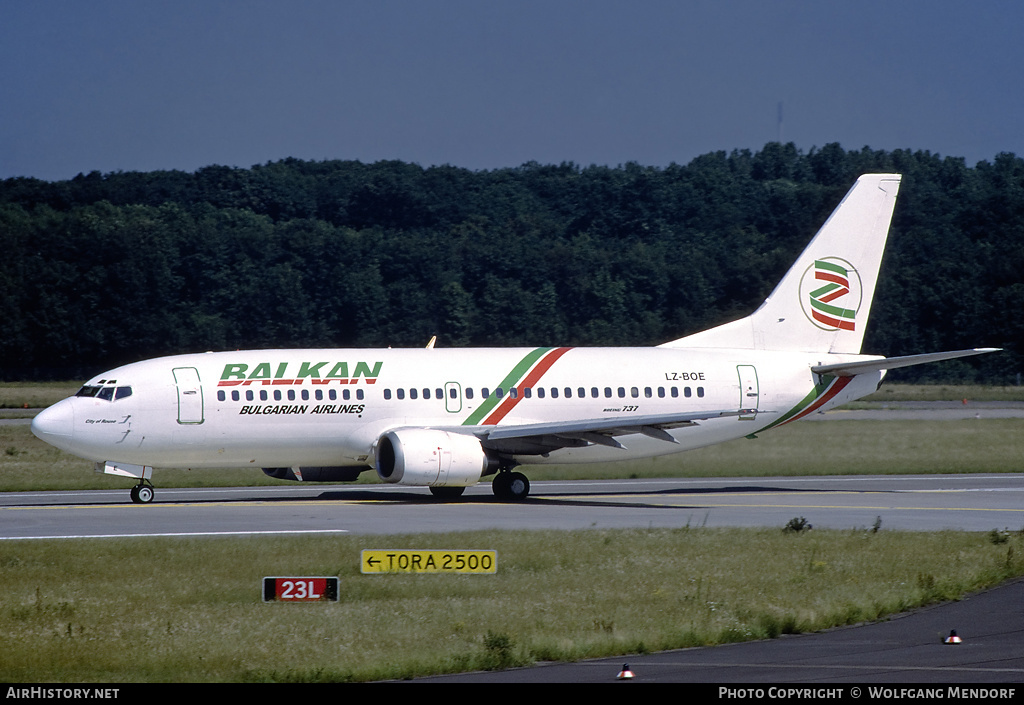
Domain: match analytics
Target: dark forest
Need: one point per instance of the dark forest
(105, 269)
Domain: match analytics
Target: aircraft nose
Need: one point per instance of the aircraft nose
(56, 423)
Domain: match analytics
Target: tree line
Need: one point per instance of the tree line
(104, 269)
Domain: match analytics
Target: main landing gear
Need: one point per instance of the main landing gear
(142, 493)
(510, 486)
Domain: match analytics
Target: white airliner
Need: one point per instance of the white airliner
(446, 418)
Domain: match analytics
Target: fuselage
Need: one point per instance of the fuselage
(329, 407)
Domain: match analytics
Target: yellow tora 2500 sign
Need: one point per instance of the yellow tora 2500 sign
(428, 561)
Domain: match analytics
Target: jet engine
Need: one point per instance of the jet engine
(316, 474)
(423, 456)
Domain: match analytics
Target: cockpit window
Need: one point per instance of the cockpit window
(106, 393)
(88, 391)
(122, 392)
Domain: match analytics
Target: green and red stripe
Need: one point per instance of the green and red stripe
(526, 373)
(823, 392)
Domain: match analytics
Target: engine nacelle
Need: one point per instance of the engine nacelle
(316, 474)
(423, 456)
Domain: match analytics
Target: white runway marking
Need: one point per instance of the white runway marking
(178, 534)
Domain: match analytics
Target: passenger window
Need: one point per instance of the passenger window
(661, 392)
(387, 393)
(514, 393)
(634, 392)
(687, 392)
(594, 392)
(648, 393)
(499, 392)
(485, 392)
(675, 392)
(263, 395)
(249, 396)
(413, 394)
(528, 392)
(401, 394)
(469, 392)
(554, 392)
(568, 393)
(608, 392)
(426, 393)
(221, 396)
(234, 395)
(540, 392)
(359, 394)
(700, 391)
(622, 392)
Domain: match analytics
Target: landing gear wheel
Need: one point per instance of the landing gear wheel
(499, 485)
(447, 492)
(142, 494)
(518, 486)
(512, 486)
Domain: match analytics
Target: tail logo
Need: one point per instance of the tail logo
(830, 293)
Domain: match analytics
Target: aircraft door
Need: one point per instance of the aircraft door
(749, 391)
(453, 397)
(190, 395)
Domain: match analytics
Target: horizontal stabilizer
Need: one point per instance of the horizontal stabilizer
(852, 369)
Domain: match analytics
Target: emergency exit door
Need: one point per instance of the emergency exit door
(749, 391)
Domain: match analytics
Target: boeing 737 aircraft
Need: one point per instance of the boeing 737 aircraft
(447, 418)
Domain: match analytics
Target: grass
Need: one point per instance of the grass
(945, 392)
(189, 610)
(34, 395)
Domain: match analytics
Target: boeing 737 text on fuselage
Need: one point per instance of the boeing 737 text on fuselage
(447, 418)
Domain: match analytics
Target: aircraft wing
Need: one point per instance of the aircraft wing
(852, 369)
(538, 438)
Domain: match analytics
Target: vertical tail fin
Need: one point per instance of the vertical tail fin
(823, 302)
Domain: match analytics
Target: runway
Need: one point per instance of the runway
(906, 650)
(916, 503)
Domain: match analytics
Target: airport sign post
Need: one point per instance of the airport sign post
(437, 562)
(306, 589)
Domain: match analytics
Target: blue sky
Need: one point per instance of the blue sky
(113, 85)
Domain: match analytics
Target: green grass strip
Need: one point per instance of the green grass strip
(190, 610)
